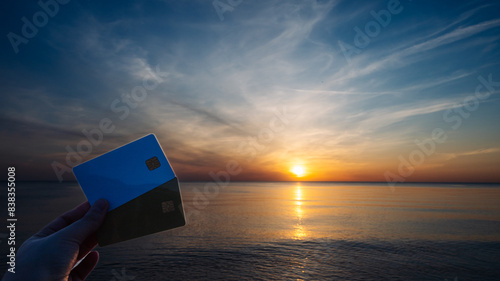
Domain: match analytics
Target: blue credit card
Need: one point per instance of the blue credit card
(124, 173)
(140, 186)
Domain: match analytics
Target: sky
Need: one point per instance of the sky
(396, 91)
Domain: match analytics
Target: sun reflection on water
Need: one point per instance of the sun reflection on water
(299, 232)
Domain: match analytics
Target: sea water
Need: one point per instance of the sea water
(298, 231)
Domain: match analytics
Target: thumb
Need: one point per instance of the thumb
(90, 223)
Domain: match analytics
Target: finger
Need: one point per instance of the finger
(87, 245)
(81, 272)
(64, 220)
(80, 230)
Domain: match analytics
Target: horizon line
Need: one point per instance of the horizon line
(406, 182)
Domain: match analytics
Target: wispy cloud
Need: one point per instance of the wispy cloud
(450, 156)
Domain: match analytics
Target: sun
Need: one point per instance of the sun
(298, 171)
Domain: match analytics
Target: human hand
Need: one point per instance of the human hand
(52, 253)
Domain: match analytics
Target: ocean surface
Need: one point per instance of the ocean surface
(297, 231)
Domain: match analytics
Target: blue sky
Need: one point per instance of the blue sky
(218, 84)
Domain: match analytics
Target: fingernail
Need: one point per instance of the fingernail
(101, 204)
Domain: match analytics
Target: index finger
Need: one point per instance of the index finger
(65, 220)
